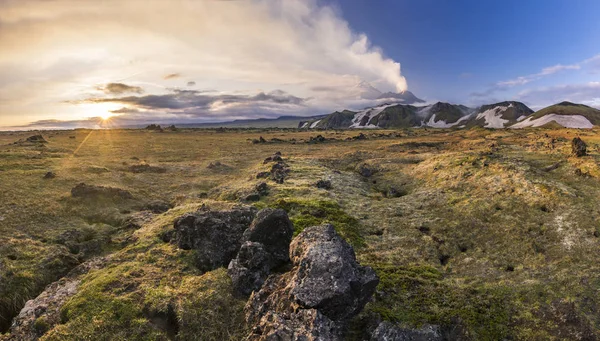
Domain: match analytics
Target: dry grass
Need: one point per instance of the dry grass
(484, 238)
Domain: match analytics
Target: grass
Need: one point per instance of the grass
(483, 241)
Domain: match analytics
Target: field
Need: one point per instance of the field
(490, 234)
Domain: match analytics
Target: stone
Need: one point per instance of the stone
(50, 175)
(578, 147)
(214, 235)
(318, 297)
(324, 184)
(273, 229)
(250, 268)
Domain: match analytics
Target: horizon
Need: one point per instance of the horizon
(91, 64)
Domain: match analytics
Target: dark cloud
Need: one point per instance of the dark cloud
(172, 76)
(120, 88)
(191, 83)
(198, 100)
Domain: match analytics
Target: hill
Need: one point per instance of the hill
(566, 114)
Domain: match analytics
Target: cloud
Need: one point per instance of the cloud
(585, 93)
(120, 88)
(172, 75)
(238, 47)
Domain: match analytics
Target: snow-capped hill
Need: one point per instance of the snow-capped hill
(444, 115)
(405, 97)
(500, 115)
(366, 91)
(566, 114)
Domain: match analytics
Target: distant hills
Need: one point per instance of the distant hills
(508, 114)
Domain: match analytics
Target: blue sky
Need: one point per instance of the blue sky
(450, 49)
(68, 63)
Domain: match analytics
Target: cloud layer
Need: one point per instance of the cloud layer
(59, 60)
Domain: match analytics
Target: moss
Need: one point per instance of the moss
(41, 326)
(306, 213)
(418, 294)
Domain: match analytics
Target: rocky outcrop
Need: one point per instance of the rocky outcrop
(214, 235)
(265, 246)
(43, 312)
(315, 300)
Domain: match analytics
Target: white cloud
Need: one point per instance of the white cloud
(585, 93)
(54, 51)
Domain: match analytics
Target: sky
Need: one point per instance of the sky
(68, 64)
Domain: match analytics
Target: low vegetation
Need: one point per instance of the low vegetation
(490, 234)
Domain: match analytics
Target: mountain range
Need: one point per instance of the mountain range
(509, 114)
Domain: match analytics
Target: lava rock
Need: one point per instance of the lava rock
(50, 175)
(273, 229)
(366, 171)
(316, 299)
(578, 147)
(328, 276)
(263, 175)
(325, 184)
(262, 188)
(250, 268)
(214, 235)
(252, 197)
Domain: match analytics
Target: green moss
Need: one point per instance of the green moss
(416, 295)
(305, 213)
(41, 326)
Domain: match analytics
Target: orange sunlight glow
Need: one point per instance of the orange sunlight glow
(101, 110)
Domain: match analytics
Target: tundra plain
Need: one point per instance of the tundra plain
(490, 234)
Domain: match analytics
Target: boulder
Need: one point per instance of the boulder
(250, 268)
(50, 175)
(365, 170)
(273, 229)
(262, 188)
(316, 299)
(324, 184)
(158, 206)
(328, 276)
(578, 147)
(214, 235)
(266, 246)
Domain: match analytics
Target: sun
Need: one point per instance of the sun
(105, 116)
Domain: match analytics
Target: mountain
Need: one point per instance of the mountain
(365, 90)
(499, 115)
(406, 97)
(565, 114)
(444, 115)
(439, 115)
(280, 122)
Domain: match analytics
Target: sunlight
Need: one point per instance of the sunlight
(104, 111)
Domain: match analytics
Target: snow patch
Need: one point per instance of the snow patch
(371, 113)
(567, 121)
(443, 124)
(315, 124)
(493, 117)
(521, 118)
(304, 125)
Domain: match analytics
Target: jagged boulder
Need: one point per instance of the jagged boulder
(265, 246)
(273, 229)
(315, 300)
(250, 268)
(214, 235)
(578, 147)
(328, 277)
